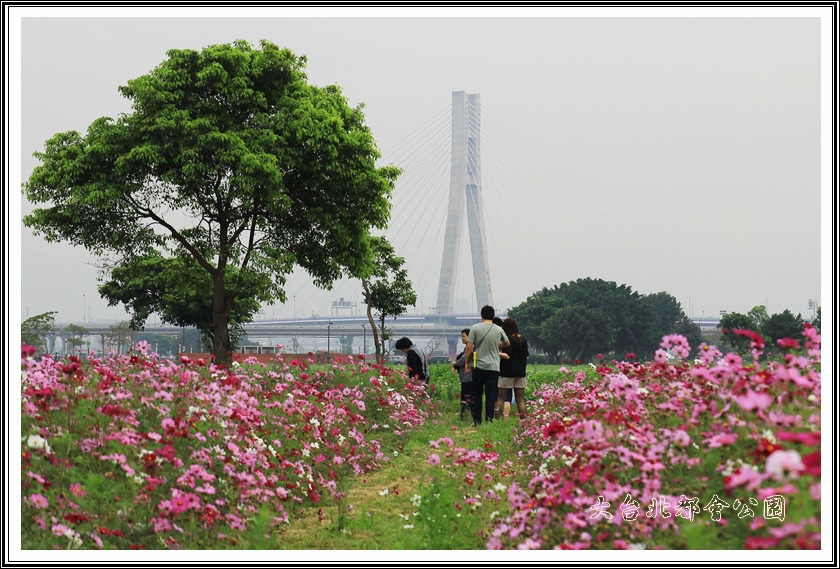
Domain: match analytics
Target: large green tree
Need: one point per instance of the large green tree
(783, 325)
(665, 314)
(578, 331)
(230, 156)
(636, 322)
(387, 291)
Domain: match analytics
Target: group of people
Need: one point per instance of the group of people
(491, 367)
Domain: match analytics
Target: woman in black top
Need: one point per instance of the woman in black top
(514, 360)
(415, 360)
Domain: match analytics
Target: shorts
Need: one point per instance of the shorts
(511, 382)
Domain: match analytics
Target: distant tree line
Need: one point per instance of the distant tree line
(580, 319)
(770, 327)
(42, 332)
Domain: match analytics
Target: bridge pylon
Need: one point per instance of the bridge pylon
(465, 197)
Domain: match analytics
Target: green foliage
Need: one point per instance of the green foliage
(161, 343)
(783, 325)
(581, 318)
(35, 330)
(73, 335)
(230, 156)
(734, 321)
(387, 290)
(759, 316)
(771, 327)
(578, 331)
(144, 285)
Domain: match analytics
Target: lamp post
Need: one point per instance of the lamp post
(364, 335)
(84, 308)
(328, 340)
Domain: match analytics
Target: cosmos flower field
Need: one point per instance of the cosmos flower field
(140, 452)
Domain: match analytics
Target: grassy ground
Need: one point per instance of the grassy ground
(395, 520)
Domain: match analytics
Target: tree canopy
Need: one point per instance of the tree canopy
(783, 325)
(144, 285)
(736, 321)
(230, 158)
(587, 316)
(37, 330)
(770, 327)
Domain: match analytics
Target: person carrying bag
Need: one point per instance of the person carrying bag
(482, 354)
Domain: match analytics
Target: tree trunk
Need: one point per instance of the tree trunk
(383, 338)
(375, 334)
(221, 353)
(380, 356)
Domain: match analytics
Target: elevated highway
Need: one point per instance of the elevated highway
(325, 332)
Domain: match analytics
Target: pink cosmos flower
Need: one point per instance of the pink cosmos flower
(77, 490)
(37, 477)
(161, 525)
(680, 438)
(745, 476)
(756, 340)
(789, 528)
(97, 540)
(529, 544)
(807, 438)
(753, 400)
(788, 343)
(722, 439)
(709, 353)
(38, 501)
(434, 459)
(784, 489)
(784, 462)
(678, 343)
(60, 529)
(733, 360)
(235, 522)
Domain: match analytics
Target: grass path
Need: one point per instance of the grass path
(378, 518)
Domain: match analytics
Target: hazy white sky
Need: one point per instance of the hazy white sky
(676, 151)
(684, 149)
